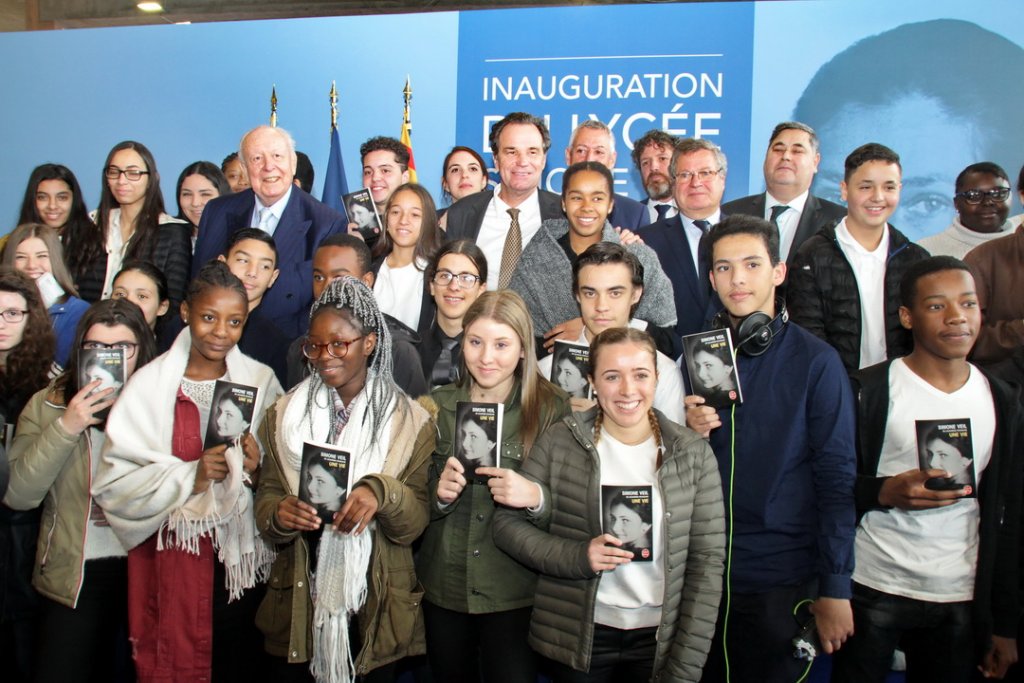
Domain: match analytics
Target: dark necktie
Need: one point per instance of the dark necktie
(777, 211)
(703, 263)
(442, 372)
(662, 210)
(511, 252)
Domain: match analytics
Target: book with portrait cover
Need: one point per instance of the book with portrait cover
(231, 412)
(362, 211)
(947, 445)
(570, 365)
(628, 517)
(106, 365)
(711, 367)
(324, 478)
(477, 436)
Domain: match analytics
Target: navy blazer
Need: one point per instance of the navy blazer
(467, 215)
(304, 223)
(628, 214)
(696, 303)
(817, 214)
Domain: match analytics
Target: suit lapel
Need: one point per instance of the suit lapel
(290, 233)
(806, 227)
(675, 236)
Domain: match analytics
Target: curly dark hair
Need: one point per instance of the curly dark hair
(27, 366)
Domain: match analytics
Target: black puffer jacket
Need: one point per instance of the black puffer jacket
(822, 294)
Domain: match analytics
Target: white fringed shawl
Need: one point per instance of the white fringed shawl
(144, 489)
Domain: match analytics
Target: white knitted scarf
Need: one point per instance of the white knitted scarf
(224, 513)
(339, 590)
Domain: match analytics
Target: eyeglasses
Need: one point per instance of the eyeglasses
(13, 315)
(443, 278)
(335, 349)
(997, 194)
(128, 347)
(132, 174)
(703, 175)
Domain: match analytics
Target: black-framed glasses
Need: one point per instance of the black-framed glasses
(13, 315)
(703, 175)
(996, 194)
(128, 347)
(443, 278)
(132, 174)
(337, 348)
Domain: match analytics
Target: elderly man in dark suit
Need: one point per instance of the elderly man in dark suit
(274, 204)
(503, 220)
(789, 167)
(593, 141)
(697, 172)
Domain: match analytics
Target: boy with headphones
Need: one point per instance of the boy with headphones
(787, 459)
(936, 568)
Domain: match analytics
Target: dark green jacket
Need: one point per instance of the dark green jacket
(458, 563)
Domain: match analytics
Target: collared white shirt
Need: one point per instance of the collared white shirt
(693, 235)
(276, 210)
(495, 227)
(869, 272)
(652, 213)
(787, 220)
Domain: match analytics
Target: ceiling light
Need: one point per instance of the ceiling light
(150, 7)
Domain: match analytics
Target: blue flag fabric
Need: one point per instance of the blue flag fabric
(335, 184)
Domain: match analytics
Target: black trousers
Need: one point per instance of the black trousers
(758, 632)
(615, 655)
(937, 638)
(87, 644)
(466, 648)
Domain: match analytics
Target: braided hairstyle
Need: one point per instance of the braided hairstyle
(625, 335)
(351, 299)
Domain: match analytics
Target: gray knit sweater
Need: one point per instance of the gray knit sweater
(544, 279)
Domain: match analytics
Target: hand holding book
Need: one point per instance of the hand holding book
(294, 515)
(604, 553)
(358, 511)
(84, 407)
(451, 482)
(907, 491)
(510, 488)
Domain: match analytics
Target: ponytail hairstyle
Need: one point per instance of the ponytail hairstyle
(506, 307)
(109, 312)
(624, 335)
(349, 298)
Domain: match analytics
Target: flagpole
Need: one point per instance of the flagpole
(273, 106)
(407, 128)
(334, 105)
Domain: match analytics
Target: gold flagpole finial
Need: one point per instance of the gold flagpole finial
(334, 105)
(273, 106)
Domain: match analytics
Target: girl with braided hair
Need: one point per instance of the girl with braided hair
(599, 614)
(477, 602)
(184, 512)
(324, 618)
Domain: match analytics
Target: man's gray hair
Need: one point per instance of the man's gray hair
(691, 145)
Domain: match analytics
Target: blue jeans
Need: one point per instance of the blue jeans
(936, 636)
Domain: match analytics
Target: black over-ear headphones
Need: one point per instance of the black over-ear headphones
(756, 331)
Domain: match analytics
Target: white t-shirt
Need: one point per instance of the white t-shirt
(869, 272)
(631, 595)
(399, 292)
(495, 227)
(931, 554)
(668, 395)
